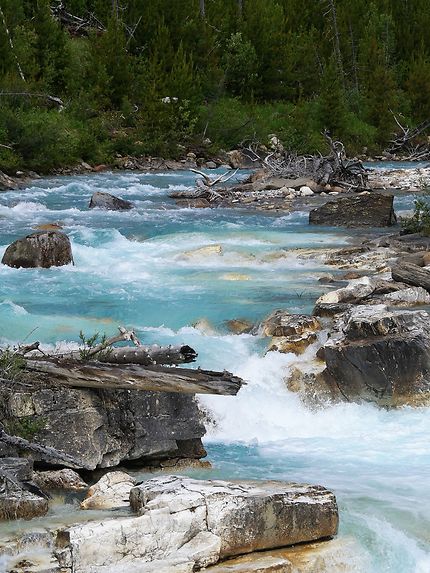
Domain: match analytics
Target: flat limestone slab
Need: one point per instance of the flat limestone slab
(199, 522)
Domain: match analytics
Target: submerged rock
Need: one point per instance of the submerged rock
(44, 249)
(187, 524)
(239, 325)
(369, 210)
(109, 202)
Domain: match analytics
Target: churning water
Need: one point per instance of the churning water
(160, 270)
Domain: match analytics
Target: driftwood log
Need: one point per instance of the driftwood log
(411, 274)
(134, 377)
(334, 169)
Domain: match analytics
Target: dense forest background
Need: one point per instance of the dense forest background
(157, 77)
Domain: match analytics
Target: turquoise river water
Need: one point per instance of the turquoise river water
(138, 269)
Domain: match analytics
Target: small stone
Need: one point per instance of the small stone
(306, 191)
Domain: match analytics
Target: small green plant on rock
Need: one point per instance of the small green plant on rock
(419, 221)
(26, 427)
(11, 365)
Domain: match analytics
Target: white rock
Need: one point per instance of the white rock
(185, 521)
(306, 191)
(111, 491)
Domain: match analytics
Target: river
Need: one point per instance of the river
(138, 269)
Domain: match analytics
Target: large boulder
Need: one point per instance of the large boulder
(109, 202)
(185, 525)
(379, 355)
(44, 249)
(369, 210)
(104, 427)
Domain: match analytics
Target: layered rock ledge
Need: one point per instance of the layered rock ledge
(184, 525)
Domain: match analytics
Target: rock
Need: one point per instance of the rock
(239, 326)
(306, 191)
(356, 290)
(295, 343)
(381, 356)
(290, 332)
(49, 227)
(65, 479)
(373, 210)
(106, 427)
(199, 203)
(43, 249)
(238, 160)
(203, 251)
(334, 556)
(282, 323)
(109, 202)
(6, 182)
(306, 380)
(407, 297)
(86, 166)
(193, 523)
(111, 491)
(204, 326)
(211, 165)
(329, 310)
(235, 277)
(100, 168)
(16, 499)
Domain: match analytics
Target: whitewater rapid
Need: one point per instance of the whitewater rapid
(150, 269)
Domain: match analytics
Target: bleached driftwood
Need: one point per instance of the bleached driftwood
(95, 374)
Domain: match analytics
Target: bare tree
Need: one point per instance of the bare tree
(12, 47)
(331, 12)
(202, 9)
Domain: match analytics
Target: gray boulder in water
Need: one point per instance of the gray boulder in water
(44, 249)
(109, 202)
(368, 210)
(380, 355)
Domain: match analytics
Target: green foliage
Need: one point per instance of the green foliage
(26, 426)
(419, 222)
(86, 351)
(11, 365)
(250, 68)
(240, 66)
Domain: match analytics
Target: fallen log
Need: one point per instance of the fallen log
(135, 377)
(411, 274)
(150, 355)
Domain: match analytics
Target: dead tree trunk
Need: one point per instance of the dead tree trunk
(12, 47)
(78, 374)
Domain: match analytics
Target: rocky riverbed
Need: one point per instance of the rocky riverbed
(340, 307)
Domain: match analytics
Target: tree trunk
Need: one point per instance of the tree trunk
(202, 9)
(412, 275)
(134, 377)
